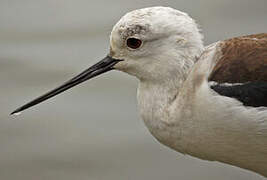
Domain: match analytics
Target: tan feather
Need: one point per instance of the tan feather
(244, 59)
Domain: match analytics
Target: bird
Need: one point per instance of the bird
(209, 102)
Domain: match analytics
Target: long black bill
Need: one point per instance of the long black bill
(101, 67)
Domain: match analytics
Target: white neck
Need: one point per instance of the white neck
(160, 84)
(155, 97)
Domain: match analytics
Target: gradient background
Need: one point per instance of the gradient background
(93, 132)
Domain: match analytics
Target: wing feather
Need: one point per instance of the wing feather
(243, 61)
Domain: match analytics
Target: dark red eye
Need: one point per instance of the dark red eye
(134, 43)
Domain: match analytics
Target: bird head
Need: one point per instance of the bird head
(153, 44)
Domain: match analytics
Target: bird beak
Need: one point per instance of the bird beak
(101, 67)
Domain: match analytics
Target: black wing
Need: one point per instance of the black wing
(250, 94)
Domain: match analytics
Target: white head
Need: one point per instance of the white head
(155, 42)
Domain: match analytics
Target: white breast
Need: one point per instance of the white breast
(204, 124)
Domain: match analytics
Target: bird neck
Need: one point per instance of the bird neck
(161, 81)
(154, 100)
(157, 93)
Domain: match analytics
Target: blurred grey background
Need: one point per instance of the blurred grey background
(93, 132)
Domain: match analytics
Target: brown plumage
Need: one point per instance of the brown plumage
(244, 59)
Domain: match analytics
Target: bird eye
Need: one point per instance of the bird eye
(134, 43)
